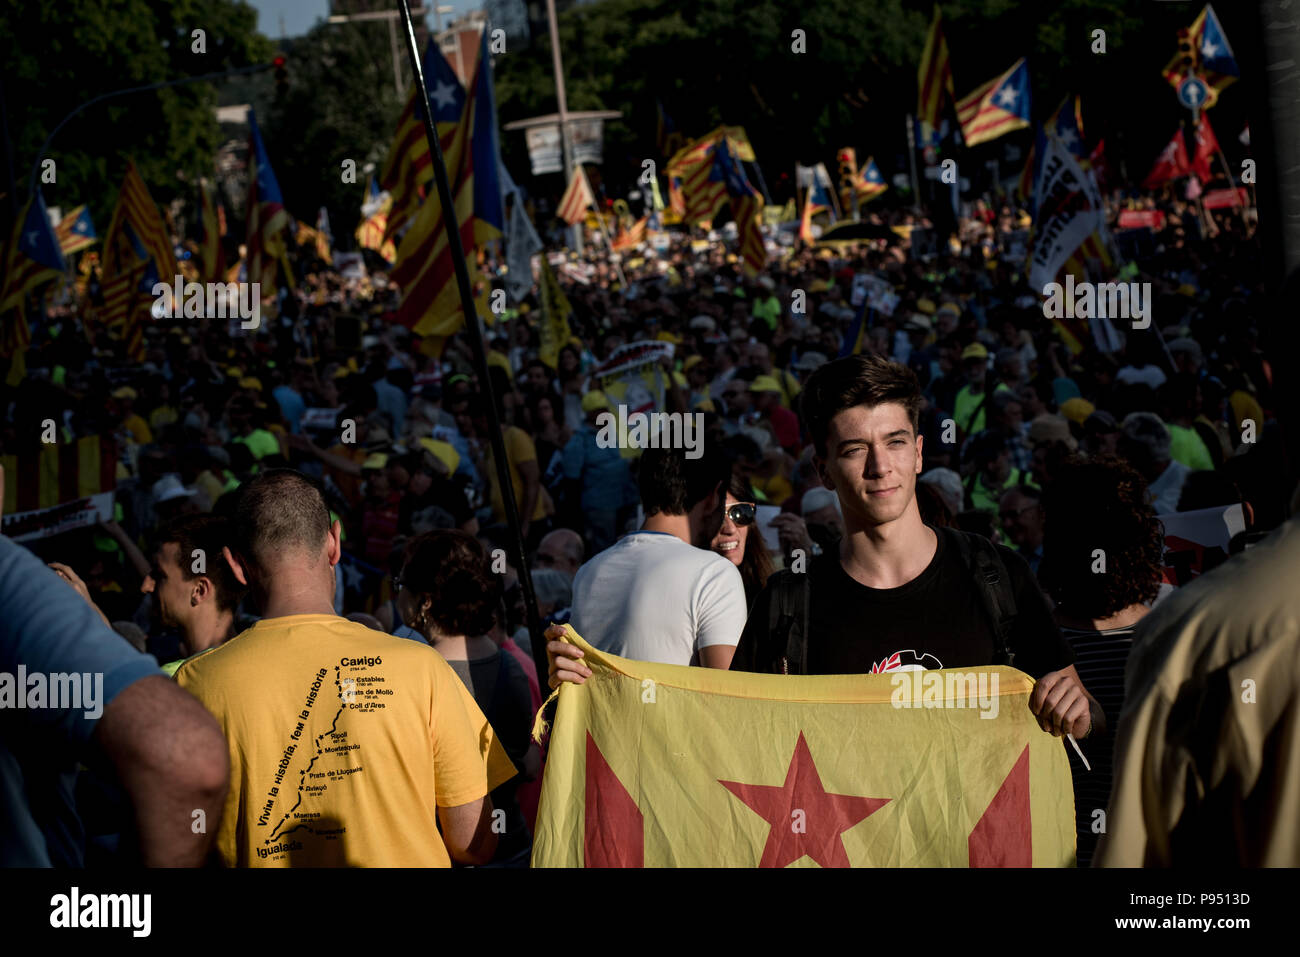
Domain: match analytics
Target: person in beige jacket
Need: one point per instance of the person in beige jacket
(1207, 761)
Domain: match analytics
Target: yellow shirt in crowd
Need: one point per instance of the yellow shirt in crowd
(519, 449)
(343, 744)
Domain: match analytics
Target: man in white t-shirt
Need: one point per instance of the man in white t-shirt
(660, 594)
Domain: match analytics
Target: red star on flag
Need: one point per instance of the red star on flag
(804, 819)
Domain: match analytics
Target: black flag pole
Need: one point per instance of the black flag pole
(475, 335)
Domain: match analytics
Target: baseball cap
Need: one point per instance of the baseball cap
(765, 383)
(975, 350)
(1077, 410)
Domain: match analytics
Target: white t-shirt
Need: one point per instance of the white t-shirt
(652, 597)
(1152, 376)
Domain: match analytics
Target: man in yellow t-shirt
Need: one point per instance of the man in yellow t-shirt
(348, 747)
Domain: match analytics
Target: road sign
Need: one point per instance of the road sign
(1193, 93)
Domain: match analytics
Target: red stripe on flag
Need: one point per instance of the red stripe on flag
(1004, 836)
(613, 832)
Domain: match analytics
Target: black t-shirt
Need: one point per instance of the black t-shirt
(937, 620)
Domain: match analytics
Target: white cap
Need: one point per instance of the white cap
(816, 499)
(170, 487)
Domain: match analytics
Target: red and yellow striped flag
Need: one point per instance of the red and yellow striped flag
(212, 254)
(703, 197)
(425, 270)
(934, 77)
(577, 197)
(135, 246)
(665, 766)
(62, 485)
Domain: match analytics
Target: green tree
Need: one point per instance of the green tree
(56, 56)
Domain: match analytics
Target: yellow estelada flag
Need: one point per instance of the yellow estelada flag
(665, 766)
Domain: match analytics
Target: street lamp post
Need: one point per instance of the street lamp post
(392, 16)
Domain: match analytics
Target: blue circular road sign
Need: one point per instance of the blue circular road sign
(1193, 92)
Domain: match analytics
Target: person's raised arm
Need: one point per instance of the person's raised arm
(172, 760)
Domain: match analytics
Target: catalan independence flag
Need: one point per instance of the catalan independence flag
(59, 486)
(268, 220)
(869, 183)
(76, 231)
(702, 194)
(996, 108)
(746, 206)
(408, 168)
(1211, 56)
(1065, 125)
(890, 770)
(425, 268)
(934, 77)
(32, 258)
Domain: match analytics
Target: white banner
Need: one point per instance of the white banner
(43, 522)
(522, 243)
(1069, 210)
(586, 136)
(544, 151)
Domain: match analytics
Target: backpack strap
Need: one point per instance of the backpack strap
(787, 649)
(994, 586)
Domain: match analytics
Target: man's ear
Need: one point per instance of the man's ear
(236, 566)
(920, 457)
(334, 543)
(201, 591)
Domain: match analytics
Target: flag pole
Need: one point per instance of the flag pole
(911, 156)
(474, 333)
(600, 228)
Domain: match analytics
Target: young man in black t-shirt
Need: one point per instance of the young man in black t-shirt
(898, 595)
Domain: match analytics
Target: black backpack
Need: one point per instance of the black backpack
(786, 646)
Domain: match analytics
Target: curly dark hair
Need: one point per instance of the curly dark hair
(450, 568)
(1092, 504)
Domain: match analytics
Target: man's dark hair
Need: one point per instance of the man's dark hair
(278, 511)
(674, 484)
(206, 534)
(1100, 504)
(853, 381)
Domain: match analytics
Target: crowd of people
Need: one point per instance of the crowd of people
(934, 476)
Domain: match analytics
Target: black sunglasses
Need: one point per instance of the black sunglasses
(742, 513)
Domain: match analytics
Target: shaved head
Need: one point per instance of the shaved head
(280, 516)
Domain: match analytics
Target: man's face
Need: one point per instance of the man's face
(171, 592)
(1022, 520)
(736, 395)
(711, 512)
(551, 555)
(873, 457)
(538, 379)
(975, 370)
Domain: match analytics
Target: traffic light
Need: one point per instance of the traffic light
(847, 159)
(1186, 50)
(281, 75)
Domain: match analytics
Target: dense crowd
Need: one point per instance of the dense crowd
(1047, 451)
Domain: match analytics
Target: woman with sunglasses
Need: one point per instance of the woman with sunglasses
(740, 542)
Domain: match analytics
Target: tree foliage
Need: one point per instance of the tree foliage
(57, 56)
